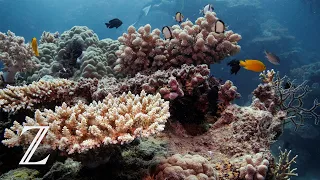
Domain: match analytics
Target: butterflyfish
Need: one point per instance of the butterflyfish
(34, 45)
(179, 17)
(219, 27)
(167, 32)
(207, 8)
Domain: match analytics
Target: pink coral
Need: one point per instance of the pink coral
(15, 54)
(188, 166)
(256, 168)
(171, 83)
(228, 92)
(191, 44)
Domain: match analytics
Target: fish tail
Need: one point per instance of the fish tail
(107, 24)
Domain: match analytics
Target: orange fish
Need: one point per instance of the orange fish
(253, 65)
(34, 45)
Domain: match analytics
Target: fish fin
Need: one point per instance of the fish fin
(107, 24)
(146, 10)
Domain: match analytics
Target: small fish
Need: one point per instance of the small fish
(207, 8)
(274, 59)
(167, 32)
(219, 27)
(249, 64)
(179, 17)
(235, 66)
(34, 45)
(253, 65)
(114, 23)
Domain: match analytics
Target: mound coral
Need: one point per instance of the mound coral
(189, 167)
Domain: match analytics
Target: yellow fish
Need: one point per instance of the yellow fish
(35, 46)
(253, 65)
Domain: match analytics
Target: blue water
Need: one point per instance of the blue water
(298, 19)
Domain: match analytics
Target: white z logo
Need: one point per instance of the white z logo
(34, 144)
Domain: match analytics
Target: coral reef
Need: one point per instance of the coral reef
(116, 94)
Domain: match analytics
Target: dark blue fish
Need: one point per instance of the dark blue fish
(235, 66)
(114, 23)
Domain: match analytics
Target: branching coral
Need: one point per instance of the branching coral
(15, 55)
(283, 169)
(191, 44)
(13, 98)
(115, 120)
(280, 93)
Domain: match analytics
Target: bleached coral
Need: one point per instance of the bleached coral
(115, 120)
(13, 98)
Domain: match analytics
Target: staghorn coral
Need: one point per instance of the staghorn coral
(191, 44)
(15, 55)
(283, 169)
(189, 167)
(115, 120)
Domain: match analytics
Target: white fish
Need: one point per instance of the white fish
(219, 27)
(167, 32)
(207, 8)
(274, 59)
(179, 17)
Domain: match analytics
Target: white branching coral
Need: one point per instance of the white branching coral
(13, 98)
(283, 169)
(115, 120)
